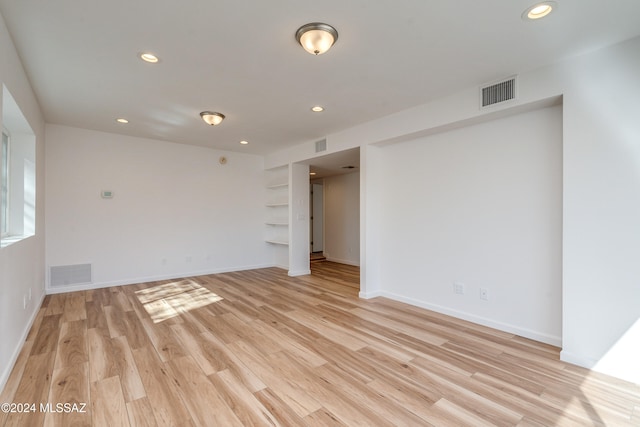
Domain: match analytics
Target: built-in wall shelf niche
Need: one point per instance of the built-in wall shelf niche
(276, 186)
(277, 214)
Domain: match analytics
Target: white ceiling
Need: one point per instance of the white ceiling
(340, 163)
(241, 59)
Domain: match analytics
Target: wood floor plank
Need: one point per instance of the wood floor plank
(10, 388)
(107, 404)
(132, 386)
(285, 415)
(163, 340)
(35, 327)
(261, 348)
(141, 413)
(276, 376)
(245, 405)
(230, 360)
(115, 321)
(70, 386)
(332, 397)
(168, 408)
(74, 307)
(72, 344)
(202, 399)
(47, 338)
(103, 361)
(33, 389)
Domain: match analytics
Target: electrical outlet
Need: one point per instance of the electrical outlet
(484, 294)
(458, 288)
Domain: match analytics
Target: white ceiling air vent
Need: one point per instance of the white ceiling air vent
(495, 93)
(321, 145)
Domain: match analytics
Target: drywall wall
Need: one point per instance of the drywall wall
(601, 313)
(175, 209)
(480, 206)
(22, 263)
(600, 92)
(342, 218)
(299, 220)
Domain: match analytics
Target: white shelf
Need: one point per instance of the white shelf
(278, 242)
(276, 223)
(273, 187)
(273, 205)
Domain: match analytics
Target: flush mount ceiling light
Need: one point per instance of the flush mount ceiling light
(122, 120)
(317, 109)
(244, 142)
(149, 57)
(316, 37)
(539, 10)
(212, 118)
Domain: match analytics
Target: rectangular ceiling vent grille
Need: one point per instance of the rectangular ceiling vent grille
(498, 92)
(65, 275)
(321, 145)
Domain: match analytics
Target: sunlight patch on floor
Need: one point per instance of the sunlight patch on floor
(169, 300)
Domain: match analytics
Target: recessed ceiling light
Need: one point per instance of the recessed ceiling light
(149, 57)
(122, 120)
(539, 10)
(317, 109)
(244, 142)
(312, 173)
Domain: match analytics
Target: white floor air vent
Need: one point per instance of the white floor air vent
(65, 275)
(496, 93)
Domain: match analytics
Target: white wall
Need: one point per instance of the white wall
(480, 205)
(299, 220)
(601, 93)
(22, 263)
(602, 211)
(342, 218)
(176, 211)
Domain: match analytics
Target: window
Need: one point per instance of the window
(4, 203)
(18, 174)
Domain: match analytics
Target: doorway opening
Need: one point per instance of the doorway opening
(334, 212)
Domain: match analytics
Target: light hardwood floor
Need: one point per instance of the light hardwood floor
(261, 348)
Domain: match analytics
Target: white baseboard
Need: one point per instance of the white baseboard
(369, 295)
(299, 273)
(575, 359)
(506, 327)
(14, 357)
(132, 281)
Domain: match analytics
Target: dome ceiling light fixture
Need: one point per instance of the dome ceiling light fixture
(212, 118)
(316, 37)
